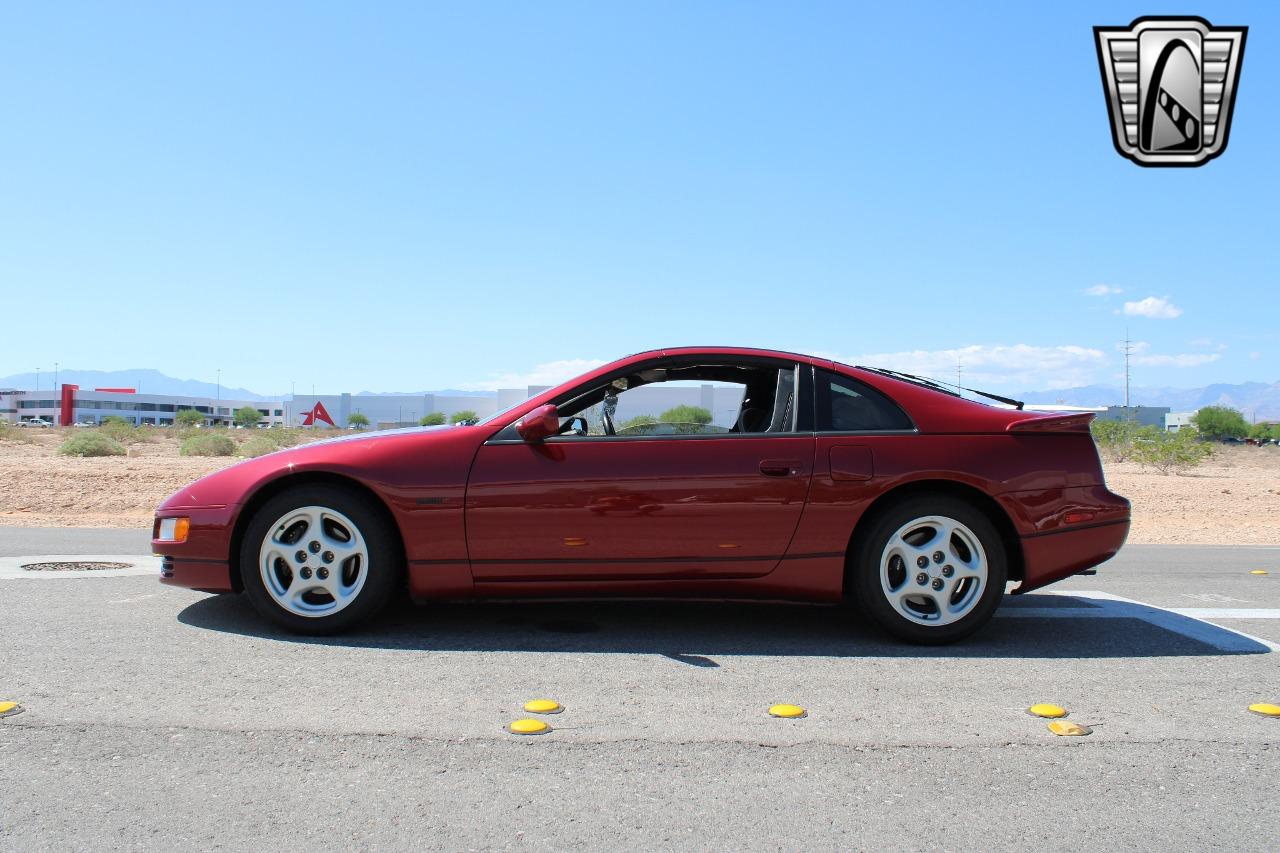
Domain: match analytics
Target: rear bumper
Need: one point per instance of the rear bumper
(204, 575)
(1052, 556)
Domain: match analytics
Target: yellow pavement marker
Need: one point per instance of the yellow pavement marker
(1266, 709)
(543, 706)
(1258, 572)
(7, 708)
(790, 712)
(1047, 710)
(528, 727)
(1066, 728)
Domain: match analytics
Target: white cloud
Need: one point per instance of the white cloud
(1015, 367)
(547, 373)
(1102, 290)
(1254, 356)
(1186, 359)
(1154, 307)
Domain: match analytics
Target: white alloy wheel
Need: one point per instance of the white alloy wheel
(313, 561)
(933, 570)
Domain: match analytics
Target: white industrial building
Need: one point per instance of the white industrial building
(73, 404)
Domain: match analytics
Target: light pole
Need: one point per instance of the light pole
(218, 402)
(37, 380)
(55, 377)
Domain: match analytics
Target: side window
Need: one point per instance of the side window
(686, 399)
(846, 405)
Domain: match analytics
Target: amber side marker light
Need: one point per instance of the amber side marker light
(173, 529)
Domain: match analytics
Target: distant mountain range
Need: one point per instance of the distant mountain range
(446, 392)
(144, 380)
(1258, 400)
(148, 381)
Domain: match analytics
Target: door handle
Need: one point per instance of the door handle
(779, 467)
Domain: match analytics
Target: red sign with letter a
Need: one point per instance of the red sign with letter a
(317, 414)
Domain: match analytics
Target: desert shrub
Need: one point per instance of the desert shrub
(1171, 453)
(465, 416)
(18, 435)
(358, 420)
(686, 415)
(1117, 439)
(282, 436)
(188, 418)
(118, 429)
(1265, 432)
(246, 416)
(259, 445)
(639, 425)
(1220, 422)
(92, 444)
(638, 420)
(208, 444)
(432, 419)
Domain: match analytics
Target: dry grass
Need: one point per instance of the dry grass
(39, 488)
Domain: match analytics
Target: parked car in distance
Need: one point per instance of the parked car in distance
(35, 422)
(83, 424)
(811, 480)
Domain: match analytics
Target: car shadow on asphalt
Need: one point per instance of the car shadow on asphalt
(697, 632)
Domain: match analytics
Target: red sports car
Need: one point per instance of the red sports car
(709, 472)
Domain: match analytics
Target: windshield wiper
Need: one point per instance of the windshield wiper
(946, 389)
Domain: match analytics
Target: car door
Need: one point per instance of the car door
(635, 507)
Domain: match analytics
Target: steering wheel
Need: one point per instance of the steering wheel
(607, 407)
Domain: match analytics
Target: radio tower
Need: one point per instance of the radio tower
(1128, 349)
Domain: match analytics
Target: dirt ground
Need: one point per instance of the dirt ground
(1232, 499)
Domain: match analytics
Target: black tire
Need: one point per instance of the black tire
(863, 573)
(385, 564)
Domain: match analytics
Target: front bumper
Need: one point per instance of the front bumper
(204, 575)
(203, 560)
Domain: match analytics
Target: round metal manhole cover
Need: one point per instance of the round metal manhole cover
(75, 566)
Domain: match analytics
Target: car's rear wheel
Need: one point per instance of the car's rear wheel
(319, 559)
(930, 569)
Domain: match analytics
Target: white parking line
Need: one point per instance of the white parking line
(1227, 612)
(1187, 621)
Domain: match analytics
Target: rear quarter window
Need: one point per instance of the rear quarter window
(846, 405)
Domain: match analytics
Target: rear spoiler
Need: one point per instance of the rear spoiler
(1053, 423)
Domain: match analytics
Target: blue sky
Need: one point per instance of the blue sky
(408, 196)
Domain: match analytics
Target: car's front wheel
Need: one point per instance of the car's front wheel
(319, 559)
(930, 569)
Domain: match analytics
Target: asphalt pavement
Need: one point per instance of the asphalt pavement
(158, 718)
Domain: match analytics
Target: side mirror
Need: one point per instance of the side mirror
(539, 424)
